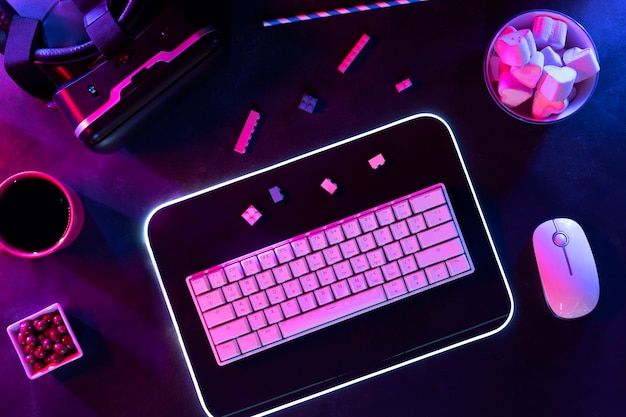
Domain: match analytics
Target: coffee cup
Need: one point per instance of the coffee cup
(39, 215)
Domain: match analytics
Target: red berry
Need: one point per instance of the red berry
(32, 340)
(28, 349)
(57, 357)
(60, 348)
(68, 342)
(55, 335)
(30, 359)
(38, 366)
(26, 327)
(57, 320)
(62, 329)
(41, 325)
(49, 317)
(47, 344)
(21, 338)
(40, 352)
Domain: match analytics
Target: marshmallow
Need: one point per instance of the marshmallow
(556, 83)
(542, 107)
(497, 67)
(530, 73)
(514, 48)
(549, 32)
(551, 57)
(583, 61)
(512, 92)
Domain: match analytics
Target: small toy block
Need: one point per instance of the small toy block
(308, 103)
(403, 85)
(251, 215)
(377, 161)
(356, 50)
(246, 133)
(277, 194)
(329, 186)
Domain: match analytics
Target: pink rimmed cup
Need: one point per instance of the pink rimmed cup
(39, 215)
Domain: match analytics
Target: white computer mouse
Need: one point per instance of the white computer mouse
(567, 268)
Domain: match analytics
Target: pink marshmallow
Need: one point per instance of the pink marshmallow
(549, 32)
(556, 83)
(530, 73)
(551, 57)
(514, 48)
(542, 107)
(512, 92)
(583, 61)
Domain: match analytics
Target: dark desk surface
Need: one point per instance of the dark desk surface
(524, 174)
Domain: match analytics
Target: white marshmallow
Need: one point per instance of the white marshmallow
(584, 61)
(530, 73)
(542, 107)
(556, 83)
(497, 67)
(512, 92)
(514, 49)
(549, 32)
(551, 57)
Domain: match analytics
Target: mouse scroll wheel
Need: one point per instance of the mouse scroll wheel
(560, 239)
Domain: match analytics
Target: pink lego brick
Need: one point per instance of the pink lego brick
(251, 215)
(356, 50)
(329, 186)
(377, 161)
(403, 85)
(246, 133)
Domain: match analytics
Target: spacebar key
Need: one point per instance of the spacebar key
(332, 311)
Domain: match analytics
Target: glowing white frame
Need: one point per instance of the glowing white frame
(297, 158)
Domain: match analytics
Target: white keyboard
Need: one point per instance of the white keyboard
(330, 274)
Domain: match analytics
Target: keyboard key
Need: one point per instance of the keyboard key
(219, 315)
(437, 216)
(383, 236)
(259, 301)
(407, 265)
(409, 245)
(316, 261)
(268, 259)
(332, 255)
(217, 278)
(200, 284)
(357, 283)
(349, 248)
(242, 307)
(318, 241)
(282, 273)
(309, 282)
(276, 294)
(265, 279)
(376, 258)
(368, 222)
(249, 342)
(439, 253)
(298, 267)
(385, 216)
(292, 288)
(340, 289)
(428, 200)
(231, 292)
(400, 230)
(284, 253)
(402, 210)
(374, 277)
(307, 302)
(301, 247)
(393, 251)
(342, 270)
(359, 263)
(251, 265)
(395, 288)
(323, 295)
(366, 242)
(248, 285)
(273, 314)
(211, 299)
(227, 350)
(458, 265)
(230, 330)
(326, 276)
(290, 308)
(391, 271)
(415, 281)
(437, 234)
(257, 320)
(334, 311)
(334, 235)
(436, 273)
(234, 272)
(416, 223)
(269, 334)
(351, 228)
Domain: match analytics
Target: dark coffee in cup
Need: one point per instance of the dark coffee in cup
(34, 214)
(38, 214)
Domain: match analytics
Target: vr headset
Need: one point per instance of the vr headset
(102, 63)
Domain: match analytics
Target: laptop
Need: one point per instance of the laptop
(328, 269)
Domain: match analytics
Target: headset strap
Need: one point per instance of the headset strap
(23, 36)
(102, 27)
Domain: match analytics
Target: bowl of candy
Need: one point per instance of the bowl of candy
(541, 66)
(44, 341)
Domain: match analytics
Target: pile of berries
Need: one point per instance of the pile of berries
(45, 340)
